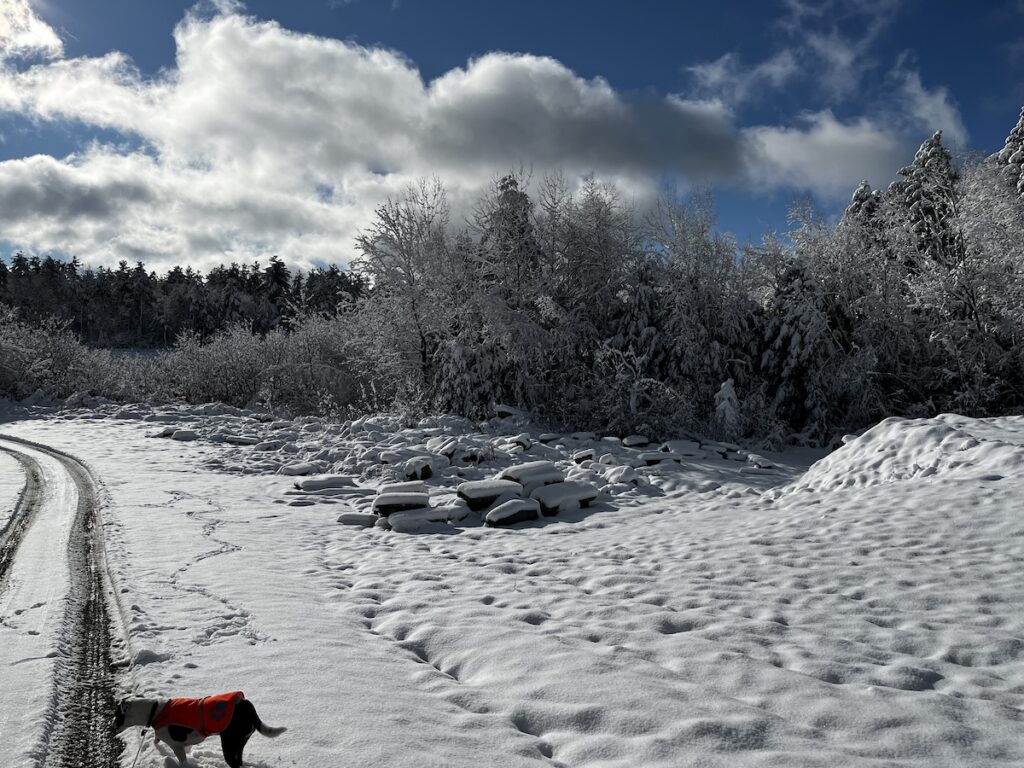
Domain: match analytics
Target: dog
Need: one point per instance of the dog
(183, 723)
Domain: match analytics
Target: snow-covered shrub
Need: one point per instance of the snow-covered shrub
(47, 359)
(229, 369)
(306, 369)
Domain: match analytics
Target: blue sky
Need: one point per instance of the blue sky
(174, 132)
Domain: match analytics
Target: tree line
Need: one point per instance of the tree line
(133, 307)
(569, 304)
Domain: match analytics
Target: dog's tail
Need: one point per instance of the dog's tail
(270, 731)
(266, 730)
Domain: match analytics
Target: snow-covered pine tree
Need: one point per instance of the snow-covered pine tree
(926, 196)
(707, 311)
(1012, 154)
(727, 419)
(599, 243)
(510, 254)
(863, 204)
(273, 289)
(799, 349)
(639, 324)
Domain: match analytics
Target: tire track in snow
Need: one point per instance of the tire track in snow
(25, 509)
(80, 729)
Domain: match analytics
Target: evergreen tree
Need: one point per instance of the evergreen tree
(1012, 155)
(509, 252)
(272, 295)
(798, 354)
(727, 418)
(863, 207)
(926, 194)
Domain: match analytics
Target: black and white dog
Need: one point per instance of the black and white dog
(182, 723)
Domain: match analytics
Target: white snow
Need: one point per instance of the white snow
(685, 448)
(869, 612)
(635, 441)
(413, 486)
(357, 518)
(948, 446)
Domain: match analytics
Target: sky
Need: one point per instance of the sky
(181, 133)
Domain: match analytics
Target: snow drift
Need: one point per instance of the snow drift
(947, 446)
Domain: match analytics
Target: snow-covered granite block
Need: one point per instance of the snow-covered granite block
(480, 494)
(512, 512)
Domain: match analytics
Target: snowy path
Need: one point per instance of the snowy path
(53, 625)
(32, 613)
(880, 625)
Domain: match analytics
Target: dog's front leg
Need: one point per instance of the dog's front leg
(179, 752)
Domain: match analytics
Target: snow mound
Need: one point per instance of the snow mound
(947, 446)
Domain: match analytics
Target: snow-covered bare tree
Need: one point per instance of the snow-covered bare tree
(402, 257)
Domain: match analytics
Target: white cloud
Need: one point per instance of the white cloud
(23, 33)
(727, 79)
(929, 110)
(825, 54)
(261, 141)
(824, 154)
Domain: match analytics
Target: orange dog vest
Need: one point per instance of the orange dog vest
(208, 715)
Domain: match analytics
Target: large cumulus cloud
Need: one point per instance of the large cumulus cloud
(261, 140)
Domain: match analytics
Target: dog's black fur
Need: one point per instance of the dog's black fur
(244, 723)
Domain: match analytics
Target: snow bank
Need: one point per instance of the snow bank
(948, 446)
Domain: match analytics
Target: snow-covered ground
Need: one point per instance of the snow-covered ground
(722, 610)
